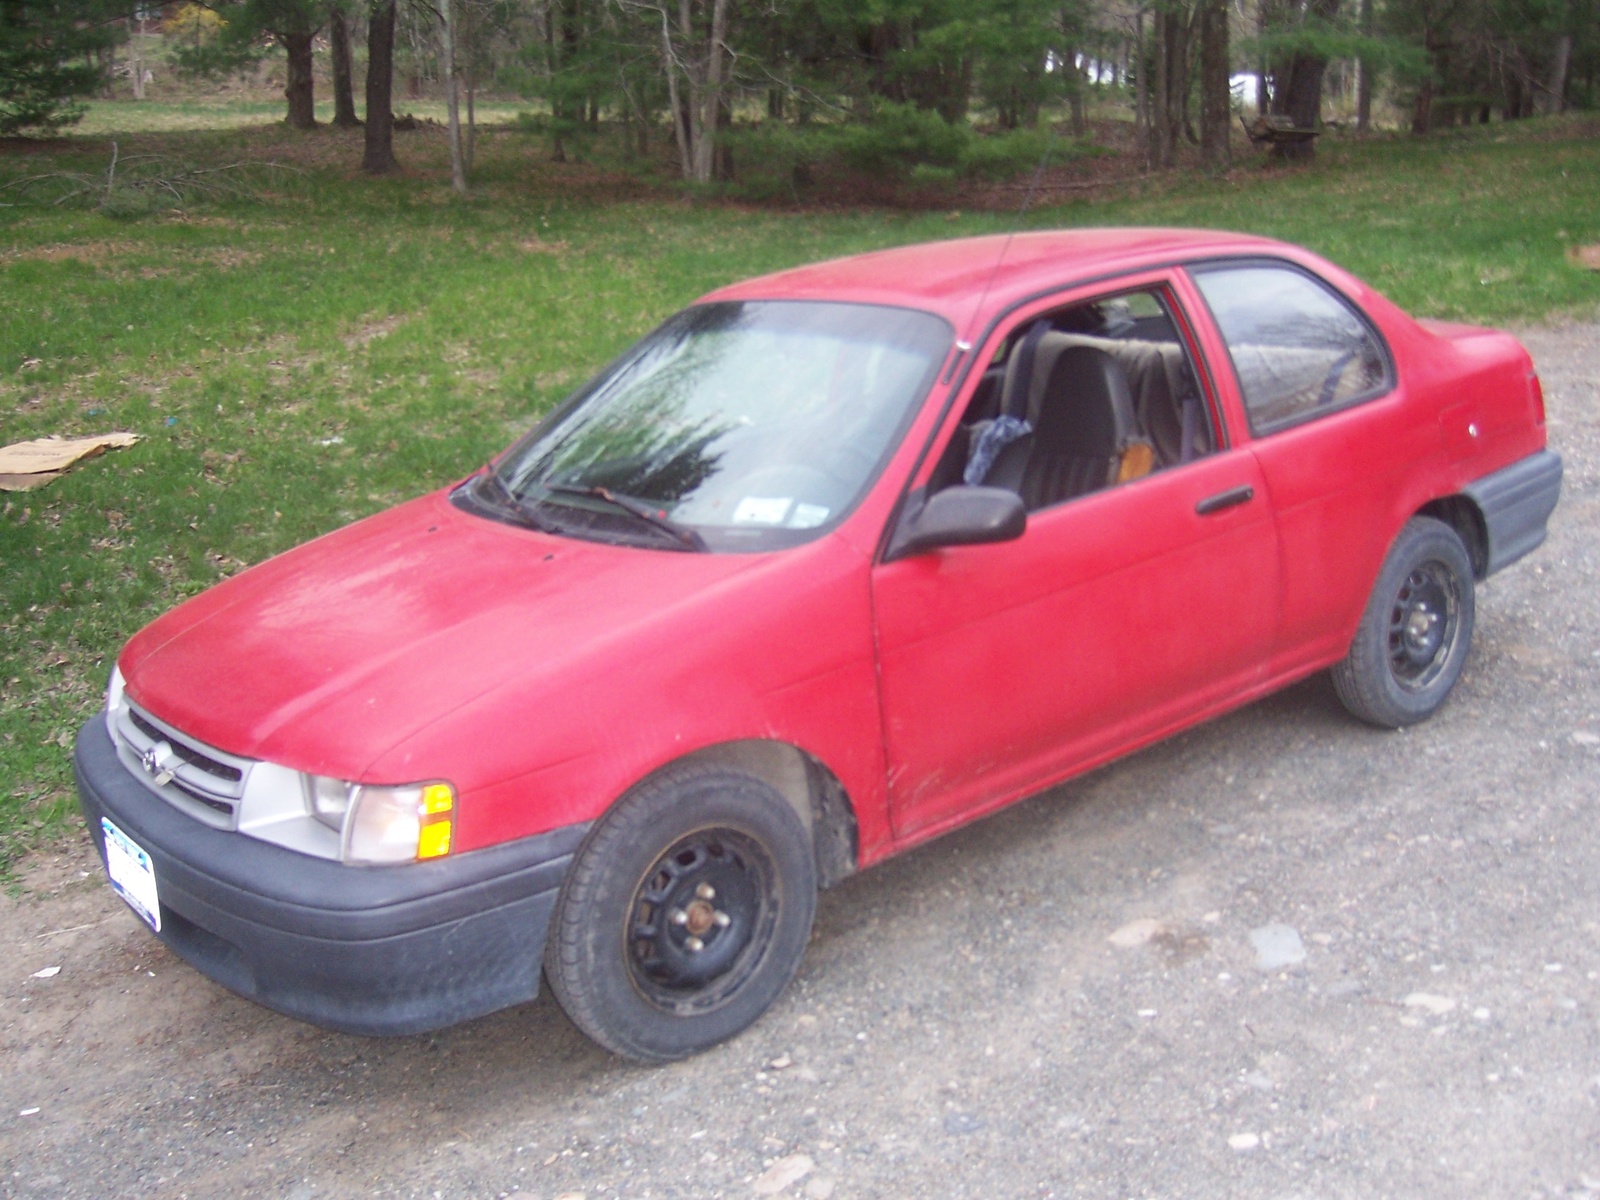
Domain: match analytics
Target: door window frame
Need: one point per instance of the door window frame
(1386, 386)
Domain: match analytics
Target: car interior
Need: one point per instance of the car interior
(1081, 399)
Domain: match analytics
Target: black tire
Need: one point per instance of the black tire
(1415, 633)
(685, 913)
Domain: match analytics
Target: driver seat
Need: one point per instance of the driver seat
(1084, 438)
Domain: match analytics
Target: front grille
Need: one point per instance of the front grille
(185, 751)
(200, 780)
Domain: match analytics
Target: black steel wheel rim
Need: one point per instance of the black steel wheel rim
(1424, 622)
(701, 920)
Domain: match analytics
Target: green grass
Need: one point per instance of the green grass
(301, 360)
(171, 116)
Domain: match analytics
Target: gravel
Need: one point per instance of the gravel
(1281, 955)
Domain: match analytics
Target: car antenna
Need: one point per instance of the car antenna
(964, 345)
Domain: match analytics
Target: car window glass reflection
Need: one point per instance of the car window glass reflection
(753, 425)
(1297, 349)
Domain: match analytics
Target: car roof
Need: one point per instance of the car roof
(968, 279)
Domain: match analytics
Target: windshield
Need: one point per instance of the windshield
(734, 426)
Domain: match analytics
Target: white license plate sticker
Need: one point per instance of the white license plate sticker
(132, 873)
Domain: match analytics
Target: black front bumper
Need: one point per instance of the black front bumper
(368, 950)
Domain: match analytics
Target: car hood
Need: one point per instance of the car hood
(326, 656)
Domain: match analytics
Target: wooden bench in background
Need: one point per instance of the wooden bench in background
(1274, 129)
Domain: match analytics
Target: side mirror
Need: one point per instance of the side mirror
(958, 516)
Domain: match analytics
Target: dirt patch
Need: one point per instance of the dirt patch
(372, 331)
(93, 253)
(537, 245)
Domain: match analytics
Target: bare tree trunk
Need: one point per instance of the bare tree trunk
(344, 101)
(1171, 86)
(1263, 98)
(1142, 97)
(1215, 96)
(298, 89)
(378, 157)
(1364, 86)
(468, 35)
(1553, 98)
(138, 55)
(458, 167)
(680, 115)
(711, 94)
(1422, 109)
(1299, 97)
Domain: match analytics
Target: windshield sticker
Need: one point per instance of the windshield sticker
(762, 510)
(808, 516)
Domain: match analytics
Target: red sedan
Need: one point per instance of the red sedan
(832, 562)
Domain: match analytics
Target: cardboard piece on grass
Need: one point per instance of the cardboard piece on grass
(28, 465)
(1586, 256)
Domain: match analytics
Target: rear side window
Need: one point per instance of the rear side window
(1298, 348)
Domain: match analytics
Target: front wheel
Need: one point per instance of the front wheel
(685, 913)
(1414, 635)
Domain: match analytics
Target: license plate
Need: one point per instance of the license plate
(132, 874)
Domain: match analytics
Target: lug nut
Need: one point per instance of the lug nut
(721, 920)
(678, 917)
(706, 892)
(695, 944)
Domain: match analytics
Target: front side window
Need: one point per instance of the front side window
(734, 426)
(1297, 348)
(1080, 399)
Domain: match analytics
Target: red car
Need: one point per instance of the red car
(832, 562)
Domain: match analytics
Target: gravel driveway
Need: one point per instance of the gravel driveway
(1283, 955)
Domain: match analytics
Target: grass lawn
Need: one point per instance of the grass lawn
(303, 358)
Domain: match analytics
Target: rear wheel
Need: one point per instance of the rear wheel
(1413, 638)
(685, 913)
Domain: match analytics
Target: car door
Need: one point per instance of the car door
(1116, 616)
(1318, 389)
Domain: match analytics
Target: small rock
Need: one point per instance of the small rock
(820, 1187)
(782, 1063)
(1437, 1005)
(1136, 933)
(1244, 1142)
(47, 973)
(1584, 738)
(1277, 946)
(28, 1112)
(782, 1173)
(963, 1122)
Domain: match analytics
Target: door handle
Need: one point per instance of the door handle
(1228, 499)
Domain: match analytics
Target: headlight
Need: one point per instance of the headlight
(384, 824)
(113, 700)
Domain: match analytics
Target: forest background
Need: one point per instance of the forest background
(934, 88)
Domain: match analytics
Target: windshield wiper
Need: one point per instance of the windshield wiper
(518, 507)
(651, 514)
